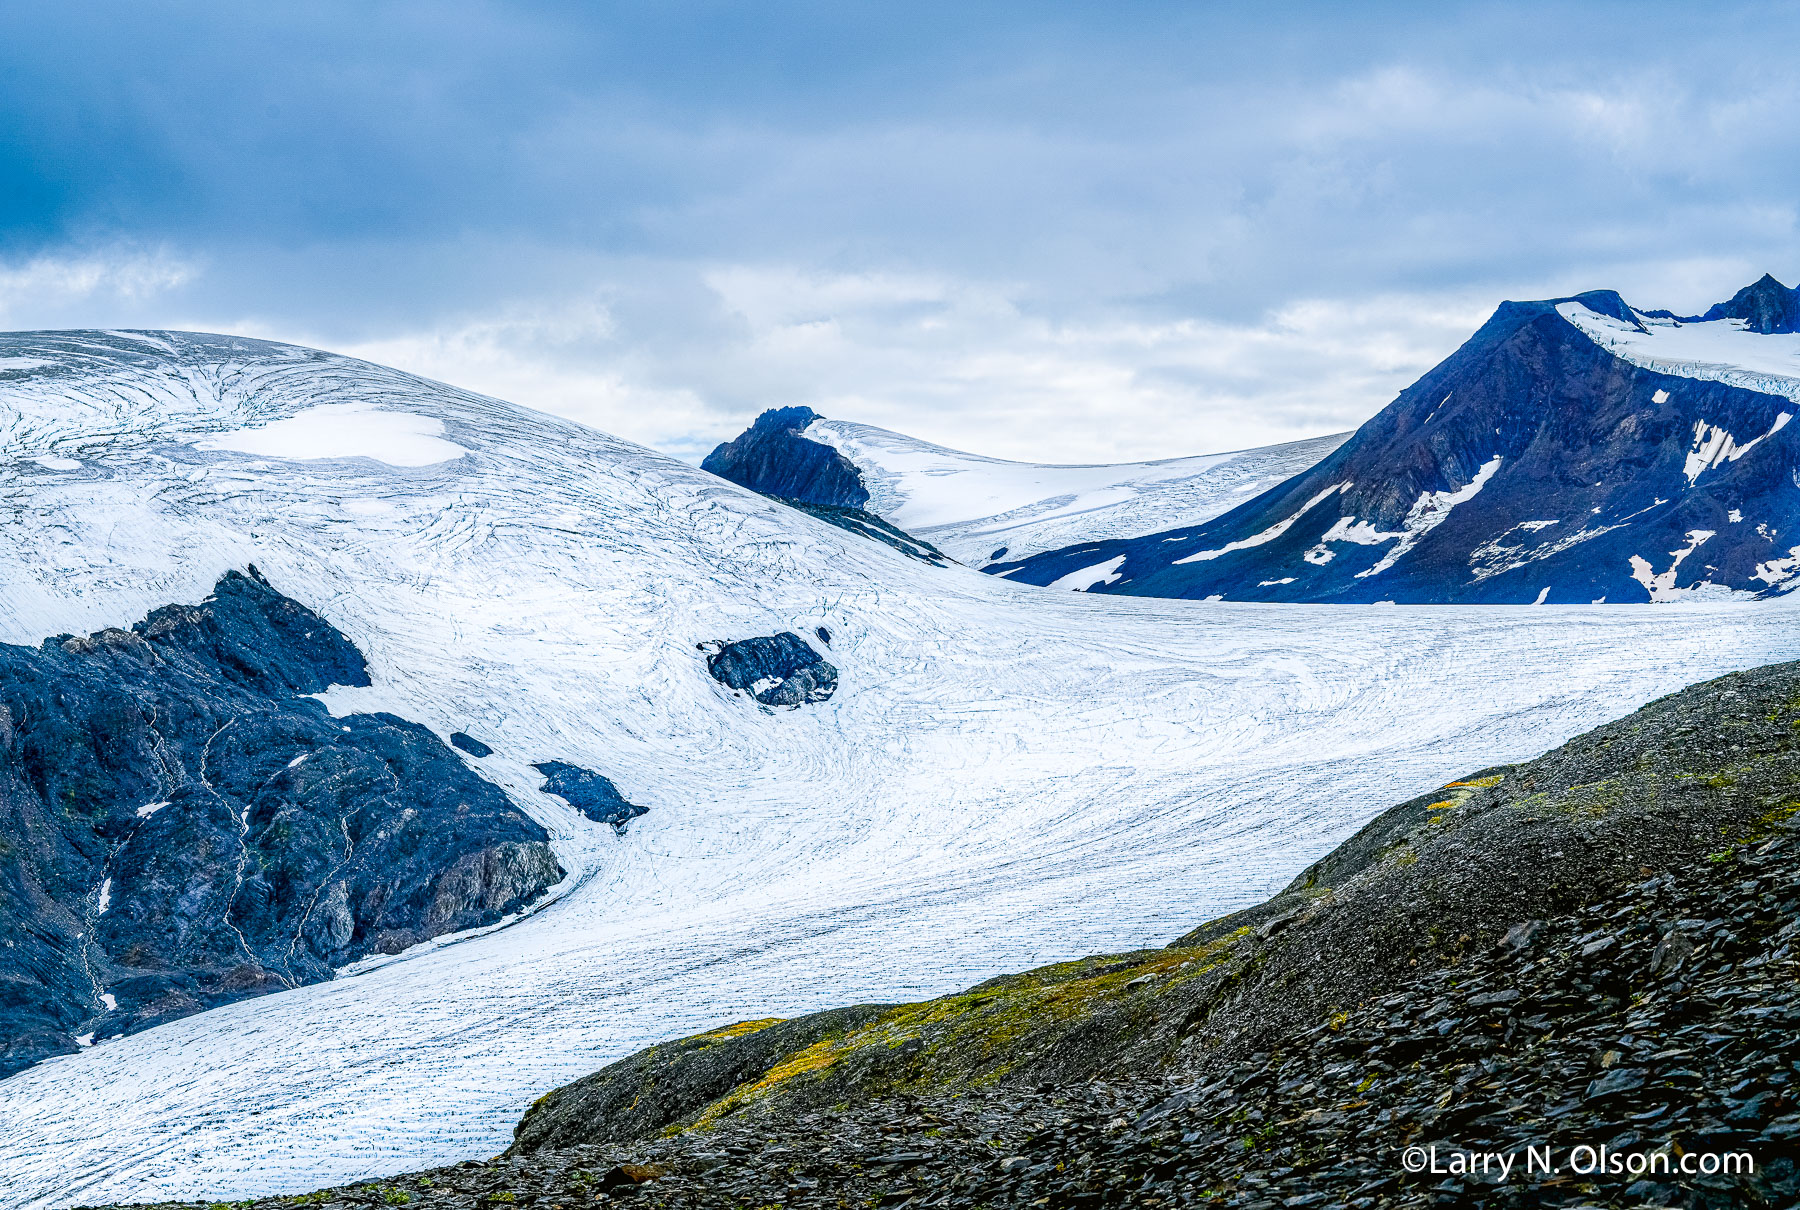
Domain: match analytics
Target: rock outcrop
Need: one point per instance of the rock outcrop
(773, 458)
(180, 826)
(464, 742)
(777, 669)
(590, 793)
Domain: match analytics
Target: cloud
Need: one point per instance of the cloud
(1047, 230)
(36, 291)
(964, 364)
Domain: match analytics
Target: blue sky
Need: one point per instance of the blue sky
(1061, 232)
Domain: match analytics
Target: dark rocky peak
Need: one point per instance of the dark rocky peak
(784, 420)
(1765, 306)
(772, 457)
(1531, 465)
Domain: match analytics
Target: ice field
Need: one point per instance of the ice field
(1007, 776)
(969, 506)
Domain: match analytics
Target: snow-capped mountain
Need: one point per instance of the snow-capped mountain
(979, 510)
(973, 776)
(1573, 450)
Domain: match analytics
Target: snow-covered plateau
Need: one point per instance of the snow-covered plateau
(975, 508)
(1005, 776)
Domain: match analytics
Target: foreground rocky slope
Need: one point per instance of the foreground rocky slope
(1596, 948)
(181, 827)
(1572, 450)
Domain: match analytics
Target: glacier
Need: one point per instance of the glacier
(970, 506)
(1006, 775)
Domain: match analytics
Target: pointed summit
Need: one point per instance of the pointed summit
(1766, 306)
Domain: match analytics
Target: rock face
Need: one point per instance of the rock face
(777, 670)
(1572, 450)
(1766, 307)
(772, 457)
(180, 827)
(590, 793)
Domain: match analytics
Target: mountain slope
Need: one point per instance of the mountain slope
(1573, 450)
(977, 509)
(1001, 778)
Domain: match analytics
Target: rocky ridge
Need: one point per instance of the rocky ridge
(771, 457)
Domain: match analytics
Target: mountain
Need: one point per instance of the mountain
(923, 777)
(1597, 942)
(979, 510)
(1573, 450)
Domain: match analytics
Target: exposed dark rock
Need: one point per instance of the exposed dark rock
(777, 670)
(824, 635)
(590, 793)
(1766, 306)
(468, 743)
(180, 828)
(772, 457)
(1530, 465)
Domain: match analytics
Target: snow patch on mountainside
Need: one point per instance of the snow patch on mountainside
(1661, 585)
(1265, 536)
(1713, 445)
(1428, 512)
(970, 506)
(343, 430)
(1087, 577)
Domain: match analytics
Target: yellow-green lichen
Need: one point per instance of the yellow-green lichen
(974, 1038)
(738, 1030)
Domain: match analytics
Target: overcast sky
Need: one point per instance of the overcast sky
(1055, 232)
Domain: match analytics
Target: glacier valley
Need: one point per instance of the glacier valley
(1004, 776)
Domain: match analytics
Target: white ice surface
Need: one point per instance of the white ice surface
(969, 506)
(1006, 776)
(343, 430)
(1723, 350)
(1087, 577)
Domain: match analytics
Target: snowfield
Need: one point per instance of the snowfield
(1007, 775)
(969, 506)
(1719, 350)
